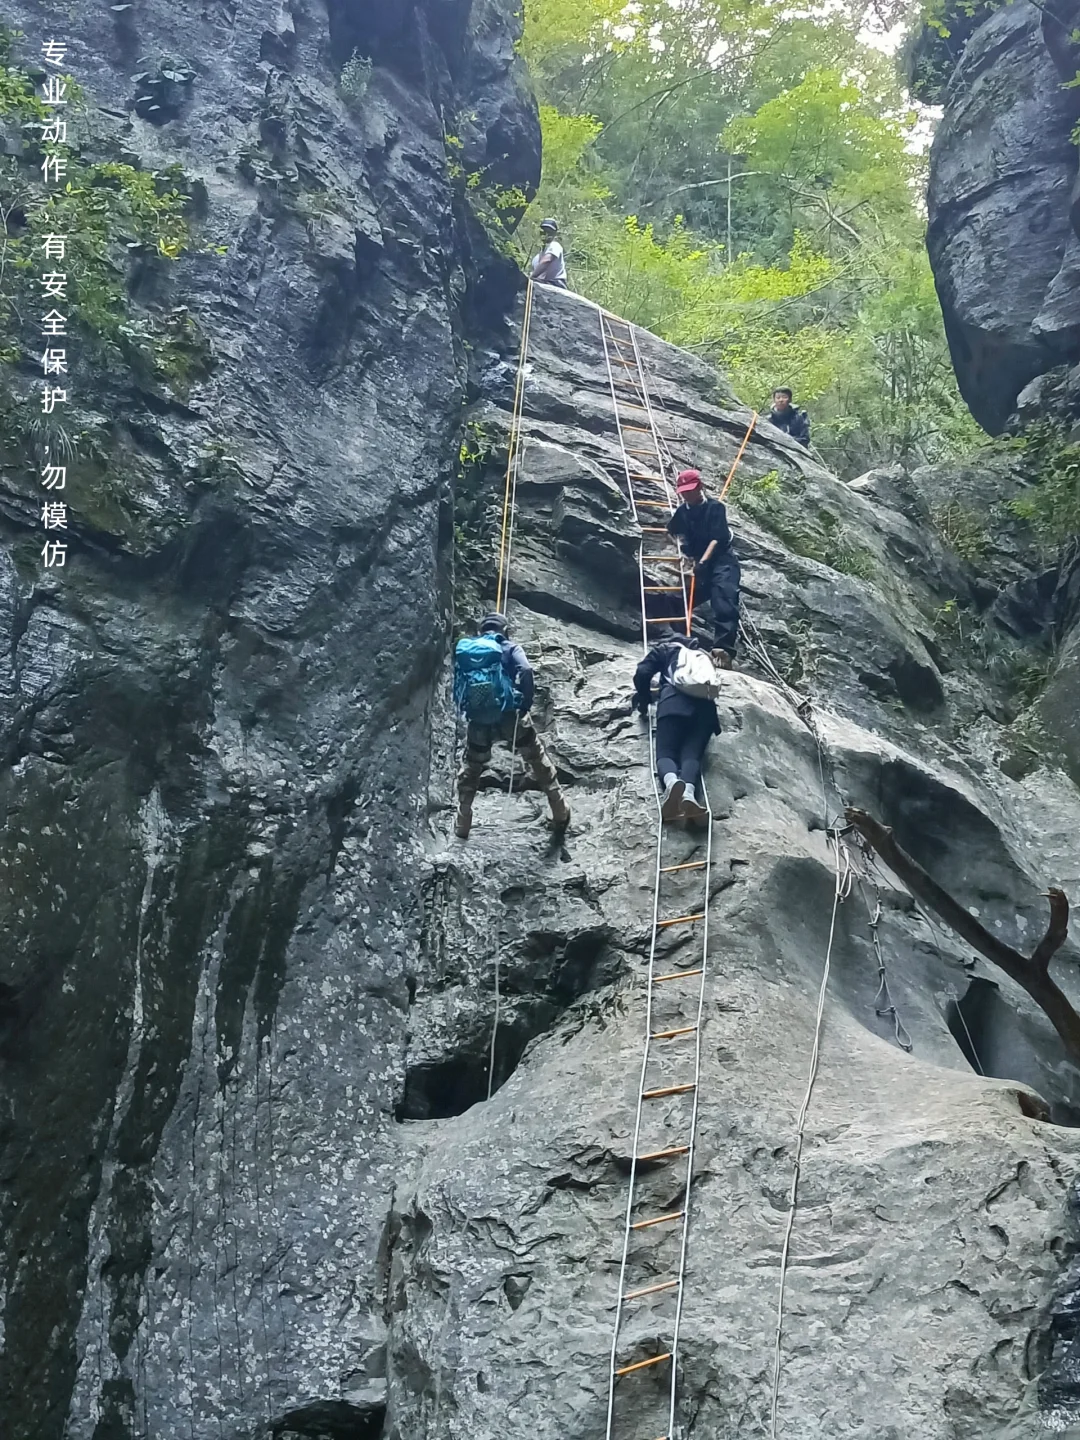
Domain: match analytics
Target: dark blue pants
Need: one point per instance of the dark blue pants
(723, 587)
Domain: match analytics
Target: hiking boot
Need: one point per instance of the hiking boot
(560, 810)
(722, 660)
(463, 823)
(692, 808)
(671, 800)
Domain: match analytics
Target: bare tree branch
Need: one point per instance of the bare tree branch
(1031, 974)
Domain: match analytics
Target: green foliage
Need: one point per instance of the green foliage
(1052, 505)
(778, 504)
(815, 275)
(962, 530)
(355, 79)
(113, 216)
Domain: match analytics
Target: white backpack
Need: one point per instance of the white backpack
(695, 674)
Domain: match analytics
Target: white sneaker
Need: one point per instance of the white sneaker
(672, 797)
(692, 809)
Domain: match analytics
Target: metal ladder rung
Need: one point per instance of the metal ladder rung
(658, 1220)
(687, 864)
(680, 919)
(671, 1034)
(664, 620)
(642, 1364)
(663, 1154)
(666, 1090)
(653, 529)
(652, 1289)
(677, 975)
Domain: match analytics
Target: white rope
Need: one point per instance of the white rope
(841, 890)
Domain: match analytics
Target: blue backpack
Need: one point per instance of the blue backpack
(482, 689)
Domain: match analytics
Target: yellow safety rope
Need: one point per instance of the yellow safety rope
(502, 592)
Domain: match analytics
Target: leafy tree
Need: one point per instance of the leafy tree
(743, 179)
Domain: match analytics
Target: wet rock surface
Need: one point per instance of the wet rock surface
(216, 730)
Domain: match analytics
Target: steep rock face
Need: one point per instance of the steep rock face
(1003, 237)
(215, 719)
(930, 1290)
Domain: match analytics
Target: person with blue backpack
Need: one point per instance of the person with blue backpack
(493, 691)
(686, 719)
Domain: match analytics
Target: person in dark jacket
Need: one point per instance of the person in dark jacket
(787, 416)
(684, 726)
(701, 526)
(515, 725)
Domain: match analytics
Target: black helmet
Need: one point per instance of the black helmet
(495, 621)
(552, 225)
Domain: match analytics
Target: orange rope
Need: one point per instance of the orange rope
(738, 457)
(690, 606)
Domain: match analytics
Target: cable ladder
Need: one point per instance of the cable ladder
(645, 1341)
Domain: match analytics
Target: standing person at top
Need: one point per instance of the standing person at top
(701, 526)
(787, 416)
(686, 719)
(549, 267)
(493, 689)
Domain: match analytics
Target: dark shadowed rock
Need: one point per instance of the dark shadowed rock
(1001, 239)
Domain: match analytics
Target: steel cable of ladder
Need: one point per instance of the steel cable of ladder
(649, 471)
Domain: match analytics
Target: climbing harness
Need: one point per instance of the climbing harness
(649, 1306)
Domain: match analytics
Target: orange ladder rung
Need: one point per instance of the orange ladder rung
(664, 559)
(677, 975)
(658, 1220)
(680, 920)
(661, 589)
(652, 1289)
(666, 1090)
(642, 1364)
(671, 1034)
(664, 620)
(642, 429)
(653, 529)
(654, 505)
(664, 1154)
(686, 865)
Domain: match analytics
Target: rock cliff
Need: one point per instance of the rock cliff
(1003, 234)
(252, 1184)
(216, 719)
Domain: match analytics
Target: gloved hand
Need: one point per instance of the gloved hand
(702, 570)
(639, 704)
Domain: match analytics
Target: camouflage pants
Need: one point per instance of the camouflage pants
(478, 745)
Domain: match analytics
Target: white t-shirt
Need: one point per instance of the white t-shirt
(557, 272)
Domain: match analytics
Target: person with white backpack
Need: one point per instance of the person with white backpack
(686, 719)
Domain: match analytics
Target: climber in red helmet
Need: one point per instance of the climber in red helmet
(701, 526)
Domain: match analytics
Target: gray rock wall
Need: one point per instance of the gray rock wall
(216, 725)
(930, 1284)
(1002, 236)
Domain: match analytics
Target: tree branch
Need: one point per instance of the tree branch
(1031, 974)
